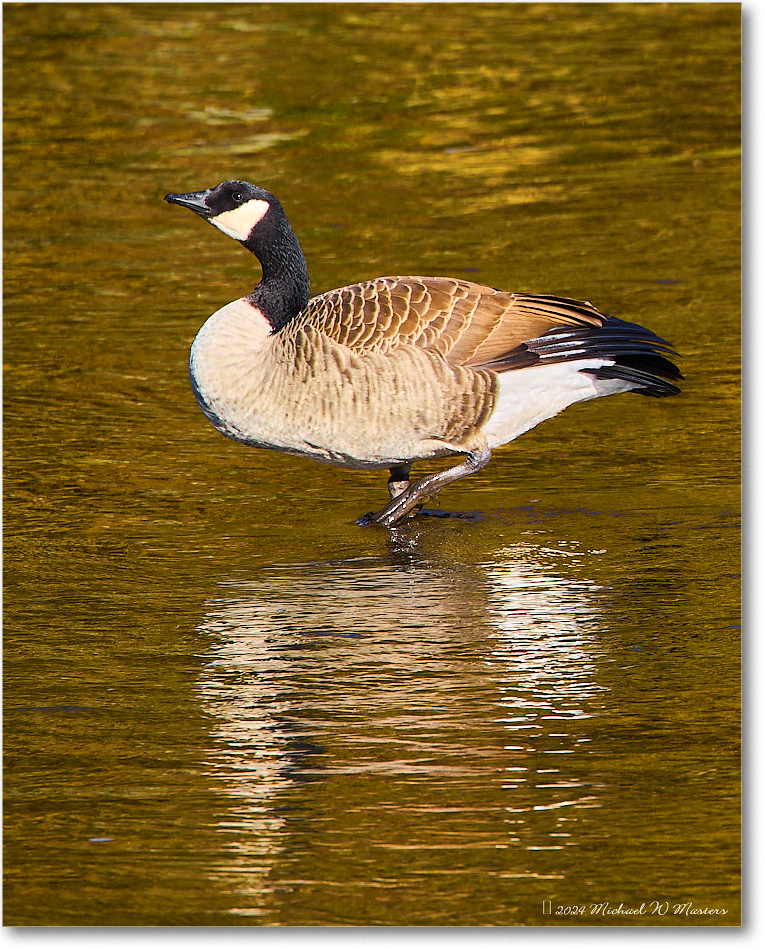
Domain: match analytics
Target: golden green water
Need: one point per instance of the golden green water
(224, 702)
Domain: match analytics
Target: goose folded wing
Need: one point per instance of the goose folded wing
(482, 328)
(465, 322)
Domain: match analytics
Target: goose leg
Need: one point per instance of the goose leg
(402, 504)
(399, 480)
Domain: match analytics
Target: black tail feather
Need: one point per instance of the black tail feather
(640, 356)
(647, 383)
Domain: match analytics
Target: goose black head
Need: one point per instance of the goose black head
(254, 217)
(235, 207)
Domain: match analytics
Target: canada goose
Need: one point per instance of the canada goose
(388, 372)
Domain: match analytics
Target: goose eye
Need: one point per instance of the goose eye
(237, 196)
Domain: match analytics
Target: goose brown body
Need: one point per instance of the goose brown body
(340, 382)
(399, 369)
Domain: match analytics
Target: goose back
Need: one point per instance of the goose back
(466, 323)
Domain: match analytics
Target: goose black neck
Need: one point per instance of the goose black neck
(284, 290)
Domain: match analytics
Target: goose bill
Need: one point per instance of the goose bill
(196, 200)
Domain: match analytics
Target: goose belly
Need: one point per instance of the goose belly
(308, 396)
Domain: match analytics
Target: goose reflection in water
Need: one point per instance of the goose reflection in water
(406, 671)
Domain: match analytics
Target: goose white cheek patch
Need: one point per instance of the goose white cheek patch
(239, 222)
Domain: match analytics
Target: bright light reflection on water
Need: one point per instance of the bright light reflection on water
(318, 658)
